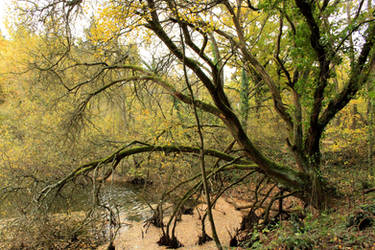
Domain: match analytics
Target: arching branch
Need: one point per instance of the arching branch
(125, 151)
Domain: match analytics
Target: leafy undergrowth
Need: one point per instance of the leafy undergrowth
(326, 231)
(348, 224)
(59, 231)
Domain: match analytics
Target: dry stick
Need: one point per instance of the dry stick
(202, 163)
(111, 231)
(187, 195)
(226, 188)
(267, 195)
(95, 200)
(278, 196)
(194, 189)
(213, 172)
(218, 196)
(191, 191)
(231, 185)
(256, 194)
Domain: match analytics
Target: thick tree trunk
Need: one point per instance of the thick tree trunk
(308, 184)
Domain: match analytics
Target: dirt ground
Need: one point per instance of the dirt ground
(227, 220)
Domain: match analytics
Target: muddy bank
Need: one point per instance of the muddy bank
(227, 219)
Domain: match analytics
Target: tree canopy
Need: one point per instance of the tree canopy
(293, 49)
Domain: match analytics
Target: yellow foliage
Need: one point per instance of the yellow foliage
(348, 133)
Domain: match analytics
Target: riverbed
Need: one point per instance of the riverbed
(129, 200)
(135, 236)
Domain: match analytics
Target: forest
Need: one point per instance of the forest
(192, 124)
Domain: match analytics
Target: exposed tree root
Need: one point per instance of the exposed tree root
(169, 242)
(265, 211)
(362, 218)
(156, 218)
(203, 239)
(111, 246)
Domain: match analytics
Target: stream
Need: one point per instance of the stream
(125, 197)
(128, 199)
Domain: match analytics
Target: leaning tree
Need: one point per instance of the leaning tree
(292, 48)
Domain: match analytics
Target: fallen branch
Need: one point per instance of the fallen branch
(370, 190)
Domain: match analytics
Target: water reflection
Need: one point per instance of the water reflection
(124, 197)
(128, 200)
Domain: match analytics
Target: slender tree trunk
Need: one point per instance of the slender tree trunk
(354, 110)
(244, 97)
(370, 128)
(202, 160)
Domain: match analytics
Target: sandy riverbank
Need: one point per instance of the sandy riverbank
(227, 219)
